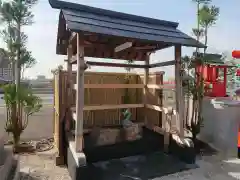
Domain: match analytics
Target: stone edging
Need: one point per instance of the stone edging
(7, 165)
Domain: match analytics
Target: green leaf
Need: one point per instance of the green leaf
(208, 16)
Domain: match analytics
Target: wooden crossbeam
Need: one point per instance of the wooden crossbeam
(145, 47)
(161, 64)
(112, 86)
(155, 128)
(123, 106)
(73, 37)
(123, 46)
(106, 64)
(123, 86)
(159, 108)
(111, 106)
(156, 86)
(92, 63)
(154, 107)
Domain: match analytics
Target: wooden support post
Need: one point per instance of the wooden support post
(69, 85)
(158, 92)
(167, 114)
(179, 91)
(58, 134)
(163, 115)
(79, 95)
(145, 89)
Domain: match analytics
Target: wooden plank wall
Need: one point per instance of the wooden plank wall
(57, 134)
(60, 99)
(114, 96)
(56, 112)
(154, 97)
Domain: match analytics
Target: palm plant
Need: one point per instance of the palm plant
(26, 60)
(9, 36)
(30, 104)
(20, 102)
(16, 14)
(206, 17)
(199, 2)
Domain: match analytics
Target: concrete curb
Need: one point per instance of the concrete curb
(2, 150)
(17, 170)
(6, 168)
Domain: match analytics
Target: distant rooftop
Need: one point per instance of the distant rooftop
(213, 58)
(4, 61)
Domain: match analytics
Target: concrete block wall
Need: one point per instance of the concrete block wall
(220, 125)
(9, 164)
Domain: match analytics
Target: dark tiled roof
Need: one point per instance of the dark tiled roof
(90, 19)
(212, 58)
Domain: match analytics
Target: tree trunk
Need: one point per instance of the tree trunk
(18, 75)
(17, 65)
(16, 139)
(22, 72)
(198, 24)
(193, 112)
(198, 19)
(206, 39)
(13, 70)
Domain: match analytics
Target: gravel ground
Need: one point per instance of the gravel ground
(41, 166)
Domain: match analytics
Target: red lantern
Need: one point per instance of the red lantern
(236, 54)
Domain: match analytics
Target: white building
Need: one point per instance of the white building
(5, 69)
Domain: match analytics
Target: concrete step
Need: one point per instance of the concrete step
(9, 170)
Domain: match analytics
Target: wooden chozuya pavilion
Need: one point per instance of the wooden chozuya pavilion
(85, 31)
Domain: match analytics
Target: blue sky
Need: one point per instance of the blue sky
(225, 36)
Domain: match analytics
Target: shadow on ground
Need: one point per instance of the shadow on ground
(142, 167)
(204, 149)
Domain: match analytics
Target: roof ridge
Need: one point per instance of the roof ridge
(58, 4)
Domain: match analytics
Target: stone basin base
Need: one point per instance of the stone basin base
(86, 166)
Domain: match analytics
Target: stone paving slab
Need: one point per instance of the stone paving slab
(41, 166)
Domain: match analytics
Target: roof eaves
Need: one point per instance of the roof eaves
(190, 42)
(220, 64)
(198, 43)
(56, 4)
